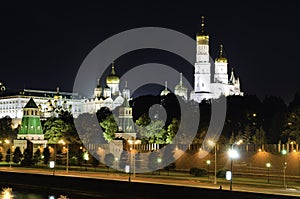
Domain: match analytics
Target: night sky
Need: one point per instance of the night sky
(43, 45)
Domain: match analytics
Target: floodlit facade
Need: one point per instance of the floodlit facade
(211, 86)
(49, 103)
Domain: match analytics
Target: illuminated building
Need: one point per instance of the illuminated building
(31, 133)
(49, 103)
(206, 85)
(110, 96)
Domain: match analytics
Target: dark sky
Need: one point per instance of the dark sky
(43, 45)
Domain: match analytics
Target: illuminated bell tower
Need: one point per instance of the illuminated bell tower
(202, 65)
(113, 81)
(221, 63)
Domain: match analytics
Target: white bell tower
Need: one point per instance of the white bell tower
(221, 63)
(202, 65)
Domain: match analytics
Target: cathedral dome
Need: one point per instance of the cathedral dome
(165, 91)
(221, 58)
(112, 78)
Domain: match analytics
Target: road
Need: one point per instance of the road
(159, 179)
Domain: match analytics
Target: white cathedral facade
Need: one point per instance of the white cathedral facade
(211, 80)
(110, 96)
(207, 85)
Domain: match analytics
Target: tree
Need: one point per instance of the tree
(8, 155)
(168, 157)
(110, 128)
(137, 161)
(170, 167)
(292, 127)
(124, 158)
(6, 129)
(1, 156)
(46, 154)
(109, 160)
(17, 156)
(247, 135)
(37, 156)
(95, 162)
(259, 137)
(27, 158)
(56, 129)
(172, 130)
(153, 161)
(89, 128)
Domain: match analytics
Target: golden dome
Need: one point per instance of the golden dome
(112, 78)
(221, 58)
(202, 37)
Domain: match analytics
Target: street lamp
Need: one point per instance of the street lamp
(67, 159)
(86, 158)
(159, 162)
(131, 143)
(268, 165)
(212, 143)
(233, 154)
(10, 150)
(208, 163)
(284, 152)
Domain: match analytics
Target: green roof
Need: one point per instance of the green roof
(31, 104)
(31, 125)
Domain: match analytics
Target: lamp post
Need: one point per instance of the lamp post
(268, 165)
(158, 164)
(208, 163)
(8, 143)
(233, 154)
(86, 158)
(284, 152)
(67, 158)
(131, 143)
(212, 143)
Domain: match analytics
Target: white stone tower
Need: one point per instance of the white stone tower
(221, 63)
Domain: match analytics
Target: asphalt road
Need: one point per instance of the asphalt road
(159, 179)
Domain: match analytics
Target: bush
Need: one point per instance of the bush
(193, 170)
(221, 173)
(198, 172)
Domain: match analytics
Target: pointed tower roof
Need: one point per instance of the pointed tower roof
(221, 57)
(31, 104)
(180, 86)
(232, 78)
(203, 28)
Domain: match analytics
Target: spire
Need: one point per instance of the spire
(202, 35)
(221, 57)
(221, 50)
(113, 72)
(125, 84)
(165, 91)
(232, 78)
(180, 82)
(202, 25)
